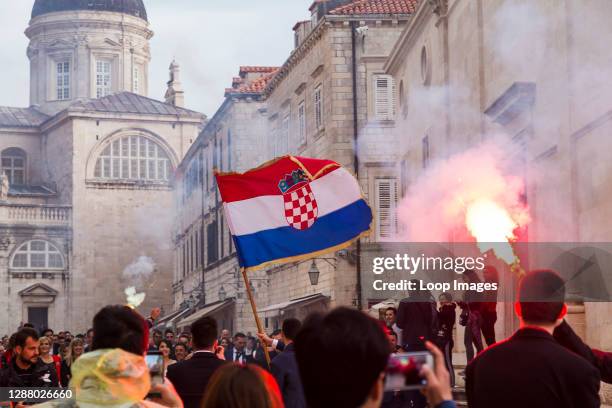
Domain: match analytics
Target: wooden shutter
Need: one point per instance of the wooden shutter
(387, 195)
(212, 241)
(384, 97)
(284, 142)
(318, 108)
(301, 124)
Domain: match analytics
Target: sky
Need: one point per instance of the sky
(209, 39)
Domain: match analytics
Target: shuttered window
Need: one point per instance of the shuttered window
(425, 151)
(386, 200)
(301, 124)
(136, 81)
(281, 137)
(318, 107)
(284, 142)
(384, 97)
(229, 149)
(212, 240)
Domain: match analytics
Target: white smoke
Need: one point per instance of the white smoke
(137, 273)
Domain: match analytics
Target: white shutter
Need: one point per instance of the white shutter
(386, 200)
(384, 97)
(318, 107)
(284, 142)
(301, 124)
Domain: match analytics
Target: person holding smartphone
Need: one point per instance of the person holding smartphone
(192, 376)
(355, 377)
(115, 373)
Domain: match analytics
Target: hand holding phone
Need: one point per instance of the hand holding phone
(438, 386)
(155, 363)
(404, 371)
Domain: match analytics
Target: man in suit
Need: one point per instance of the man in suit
(190, 377)
(530, 369)
(417, 319)
(236, 352)
(285, 369)
(602, 360)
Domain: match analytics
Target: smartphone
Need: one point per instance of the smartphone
(155, 362)
(402, 372)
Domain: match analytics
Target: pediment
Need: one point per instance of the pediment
(38, 289)
(59, 43)
(111, 42)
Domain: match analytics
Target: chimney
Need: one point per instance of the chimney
(175, 94)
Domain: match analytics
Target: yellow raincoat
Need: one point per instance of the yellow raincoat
(107, 378)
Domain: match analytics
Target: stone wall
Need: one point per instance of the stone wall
(55, 37)
(561, 134)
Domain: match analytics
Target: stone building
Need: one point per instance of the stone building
(88, 168)
(305, 108)
(330, 92)
(206, 272)
(467, 72)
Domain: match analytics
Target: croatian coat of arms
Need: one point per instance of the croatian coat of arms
(300, 205)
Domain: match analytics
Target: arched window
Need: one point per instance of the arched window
(14, 164)
(37, 254)
(133, 158)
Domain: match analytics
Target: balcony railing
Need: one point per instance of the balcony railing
(36, 214)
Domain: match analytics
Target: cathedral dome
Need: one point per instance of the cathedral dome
(132, 7)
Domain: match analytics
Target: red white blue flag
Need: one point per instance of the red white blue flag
(292, 208)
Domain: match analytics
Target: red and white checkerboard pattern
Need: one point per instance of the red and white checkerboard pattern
(300, 208)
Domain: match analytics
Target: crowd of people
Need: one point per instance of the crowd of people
(336, 359)
(420, 316)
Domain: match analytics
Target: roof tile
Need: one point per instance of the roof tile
(377, 7)
(249, 69)
(254, 86)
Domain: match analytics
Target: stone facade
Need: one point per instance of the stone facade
(90, 178)
(543, 86)
(121, 40)
(305, 109)
(206, 269)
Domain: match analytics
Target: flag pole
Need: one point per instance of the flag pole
(254, 309)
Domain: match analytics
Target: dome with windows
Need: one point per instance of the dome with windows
(132, 7)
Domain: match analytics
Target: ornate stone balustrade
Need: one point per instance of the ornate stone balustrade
(36, 214)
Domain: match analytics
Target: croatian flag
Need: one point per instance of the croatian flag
(292, 208)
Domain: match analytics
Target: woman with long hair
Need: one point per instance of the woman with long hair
(74, 351)
(165, 347)
(44, 348)
(242, 386)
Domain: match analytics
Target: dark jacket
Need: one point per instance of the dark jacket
(229, 355)
(260, 357)
(447, 316)
(66, 374)
(190, 377)
(43, 376)
(285, 371)
(600, 359)
(418, 321)
(530, 369)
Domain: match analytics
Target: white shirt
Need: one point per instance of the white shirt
(241, 360)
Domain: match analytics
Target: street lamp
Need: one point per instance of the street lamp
(313, 273)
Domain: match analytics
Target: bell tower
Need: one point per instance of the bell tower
(81, 50)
